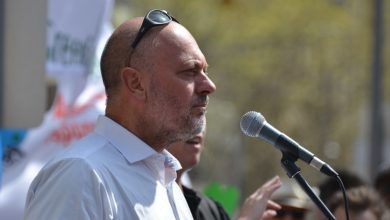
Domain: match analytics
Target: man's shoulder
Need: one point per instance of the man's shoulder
(82, 148)
(77, 158)
(203, 207)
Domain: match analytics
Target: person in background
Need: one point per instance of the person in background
(364, 204)
(158, 88)
(295, 204)
(256, 206)
(382, 184)
(330, 186)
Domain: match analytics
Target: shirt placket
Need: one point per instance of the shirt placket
(164, 167)
(170, 176)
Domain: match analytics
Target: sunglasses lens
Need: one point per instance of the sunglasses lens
(159, 17)
(153, 18)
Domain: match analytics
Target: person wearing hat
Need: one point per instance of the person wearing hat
(293, 201)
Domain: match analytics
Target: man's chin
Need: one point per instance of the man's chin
(193, 128)
(199, 127)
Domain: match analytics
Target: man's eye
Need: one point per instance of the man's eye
(191, 72)
(194, 72)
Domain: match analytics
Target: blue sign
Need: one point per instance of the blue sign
(1, 156)
(10, 140)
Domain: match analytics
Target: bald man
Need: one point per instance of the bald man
(157, 88)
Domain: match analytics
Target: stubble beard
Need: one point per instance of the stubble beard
(184, 128)
(195, 126)
(172, 125)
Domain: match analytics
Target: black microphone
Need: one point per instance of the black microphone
(253, 124)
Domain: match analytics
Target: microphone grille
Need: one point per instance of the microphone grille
(251, 123)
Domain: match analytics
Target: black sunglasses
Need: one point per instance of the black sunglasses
(295, 214)
(155, 17)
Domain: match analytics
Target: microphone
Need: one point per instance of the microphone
(253, 124)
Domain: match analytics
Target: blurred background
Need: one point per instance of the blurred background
(307, 66)
(315, 69)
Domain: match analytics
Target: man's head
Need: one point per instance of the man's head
(382, 183)
(364, 203)
(158, 89)
(188, 152)
(293, 201)
(330, 186)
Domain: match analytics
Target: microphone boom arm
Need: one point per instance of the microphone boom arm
(293, 171)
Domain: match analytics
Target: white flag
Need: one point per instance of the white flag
(76, 105)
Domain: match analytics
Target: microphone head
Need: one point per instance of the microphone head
(251, 123)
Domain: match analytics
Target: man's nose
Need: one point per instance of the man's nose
(206, 85)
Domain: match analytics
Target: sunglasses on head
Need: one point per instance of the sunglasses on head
(295, 214)
(155, 17)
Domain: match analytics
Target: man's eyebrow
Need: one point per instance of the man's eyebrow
(196, 64)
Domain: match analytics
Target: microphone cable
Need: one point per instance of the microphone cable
(346, 204)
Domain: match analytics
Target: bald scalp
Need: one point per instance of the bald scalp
(116, 53)
(156, 45)
(148, 49)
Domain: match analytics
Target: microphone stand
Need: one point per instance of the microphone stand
(293, 171)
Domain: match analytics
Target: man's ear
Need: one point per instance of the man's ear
(132, 80)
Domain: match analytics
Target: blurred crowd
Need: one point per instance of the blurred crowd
(367, 200)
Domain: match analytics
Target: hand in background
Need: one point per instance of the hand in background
(258, 206)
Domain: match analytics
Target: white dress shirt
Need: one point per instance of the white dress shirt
(109, 174)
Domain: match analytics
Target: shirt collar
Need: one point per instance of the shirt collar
(164, 166)
(171, 161)
(133, 148)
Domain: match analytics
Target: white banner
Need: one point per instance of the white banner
(76, 106)
(73, 31)
(61, 126)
